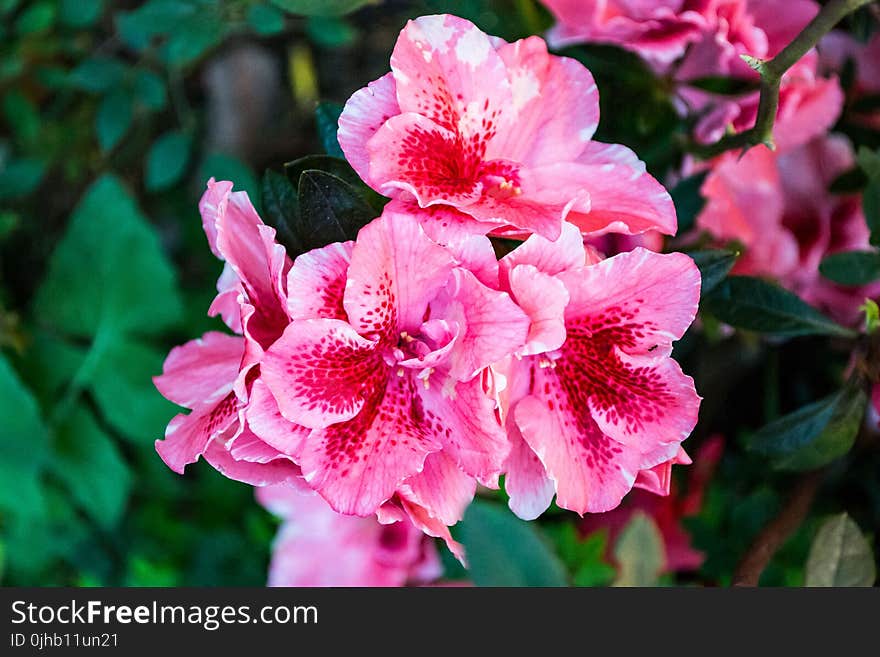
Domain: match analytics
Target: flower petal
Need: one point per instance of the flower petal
(187, 437)
(264, 419)
(526, 482)
(316, 282)
(202, 370)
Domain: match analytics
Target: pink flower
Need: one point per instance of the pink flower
(479, 135)
(778, 207)
(594, 398)
(384, 363)
(667, 507)
(316, 546)
(208, 375)
(658, 30)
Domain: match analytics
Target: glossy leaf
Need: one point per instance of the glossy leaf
(851, 267)
(688, 201)
(167, 160)
(503, 550)
(714, 265)
(327, 118)
(754, 304)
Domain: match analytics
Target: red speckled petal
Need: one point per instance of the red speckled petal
(363, 115)
(278, 471)
(591, 472)
(316, 282)
(396, 270)
(321, 371)
(265, 420)
(357, 465)
(201, 371)
(447, 70)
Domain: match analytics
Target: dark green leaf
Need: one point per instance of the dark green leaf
(98, 74)
(851, 267)
(20, 177)
(757, 305)
(281, 210)
(639, 552)
(330, 31)
(195, 38)
(583, 556)
(149, 90)
(77, 13)
(128, 285)
(23, 446)
(503, 550)
(167, 160)
(321, 7)
(327, 118)
(813, 435)
(688, 201)
(331, 210)
(90, 465)
(726, 86)
(114, 118)
(341, 169)
(38, 17)
(871, 208)
(265, 20)
(869, 161)
(866, 104)
(714, 265)
(840, 555)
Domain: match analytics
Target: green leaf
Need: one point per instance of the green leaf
(714, 265)
(265, 20)
(331, 31)
(97, 74)
(840, 555)
(77, 13)
(639, 552)
(849, 182)
(754, 304)
(38, 17)
(583, 556)
(109, 274)
(872, 315)
(869, 161)
(193, 39)
(115, 114)
(321, 7)
(327, 118)
(503, 550)
(813, 435)
(149, 90)
(23, 446)
(871, 208)
(167, 160)
(331, 210)
(281, 210)
(21, 177)
(338, 167)
(688, 201)
(851, 267)
(92, 468)
(122, 384)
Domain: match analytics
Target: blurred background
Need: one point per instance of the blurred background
(163, 94)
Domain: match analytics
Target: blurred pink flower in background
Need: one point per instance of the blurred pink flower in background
(777, 206)
(835, 49)
(479, 135)
(316, 546)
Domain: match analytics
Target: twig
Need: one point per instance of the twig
(771, 72)
(777, 531)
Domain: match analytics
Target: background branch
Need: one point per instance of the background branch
(771, 72)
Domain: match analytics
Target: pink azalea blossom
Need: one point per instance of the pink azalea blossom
(316, 546)
(778, 208)
(594, 403)
(208, 375)
(384, 363)
(481, 135)
(667, 507)
(658, 30)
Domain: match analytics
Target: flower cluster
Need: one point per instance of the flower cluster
(697, 41)
(394, 373)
